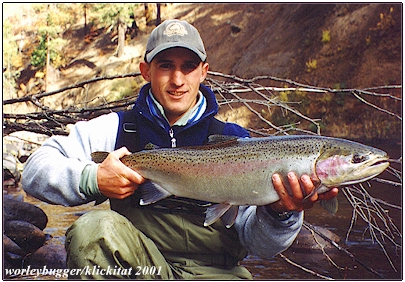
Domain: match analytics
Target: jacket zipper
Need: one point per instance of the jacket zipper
(173, 140)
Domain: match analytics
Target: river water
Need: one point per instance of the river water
(367, 254)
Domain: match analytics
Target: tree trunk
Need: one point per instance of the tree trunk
(85, 20)
(48, 63)
(148, 14)
(158, 18)
(121, 37)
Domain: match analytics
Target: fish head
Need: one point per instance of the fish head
(345, 162)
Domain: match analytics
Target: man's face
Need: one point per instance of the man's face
(175, 76)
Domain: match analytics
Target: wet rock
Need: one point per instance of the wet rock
(12, 253)
(26, 235)
(17, 210)
(17, 197)
(23, 225)
(9, 246)
(49, 255)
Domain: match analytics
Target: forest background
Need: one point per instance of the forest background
(332, 46)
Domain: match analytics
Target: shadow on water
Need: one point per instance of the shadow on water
(359, 243)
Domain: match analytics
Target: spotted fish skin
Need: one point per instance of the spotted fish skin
(237, 171)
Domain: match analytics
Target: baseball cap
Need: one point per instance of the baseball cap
(174, 33)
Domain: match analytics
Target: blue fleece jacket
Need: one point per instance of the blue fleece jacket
(194, 133)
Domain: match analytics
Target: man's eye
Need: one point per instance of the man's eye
(190, 66)
(165, 66)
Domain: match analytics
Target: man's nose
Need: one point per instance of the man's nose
(178, 77)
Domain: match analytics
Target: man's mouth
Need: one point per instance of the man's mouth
(176, 93)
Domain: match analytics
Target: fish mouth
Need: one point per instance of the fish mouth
(379, 163)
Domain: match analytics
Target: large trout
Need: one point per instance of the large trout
(235, 171)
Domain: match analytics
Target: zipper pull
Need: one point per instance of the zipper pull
(171, 133)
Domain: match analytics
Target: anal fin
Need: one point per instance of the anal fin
(214, 212)
(224, 211)
(230, 215)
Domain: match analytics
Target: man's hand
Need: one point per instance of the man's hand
(116, 180)
(299, 191)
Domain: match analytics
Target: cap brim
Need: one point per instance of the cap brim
(149, 56)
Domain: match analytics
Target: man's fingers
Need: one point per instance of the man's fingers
(279, 186)
(309, 187)
(123, 151)
(296, 189)
(329, 195)
(133, 176)
(285, 202)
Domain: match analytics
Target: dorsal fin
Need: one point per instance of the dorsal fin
(217, 139)
(151, 146)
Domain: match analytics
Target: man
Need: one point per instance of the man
(168, 239)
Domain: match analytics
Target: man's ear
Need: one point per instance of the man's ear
(144, 68)
(204, 73)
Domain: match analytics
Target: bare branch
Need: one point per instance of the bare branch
(37, 96)
(374, 106)
(304, 268)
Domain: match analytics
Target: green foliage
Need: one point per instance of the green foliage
(124, 88)
(311, 65)
(50, 40)
(325, 36)
(38, 57)
(294, 97)
(110, 13)
(312, 127)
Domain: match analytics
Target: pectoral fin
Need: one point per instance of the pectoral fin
(151, 193)
(330, 205)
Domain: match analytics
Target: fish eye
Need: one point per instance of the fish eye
(358, 158)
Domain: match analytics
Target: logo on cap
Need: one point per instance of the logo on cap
(175, 29)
